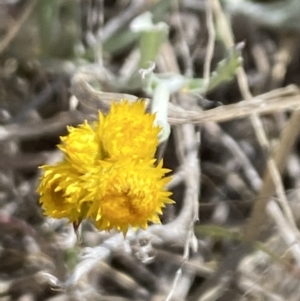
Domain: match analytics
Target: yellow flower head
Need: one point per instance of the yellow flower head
(129, 193)
(61, 190)
(128, 131)
(81, 146)
(108, 172)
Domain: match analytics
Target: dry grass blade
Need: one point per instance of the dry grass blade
(17, 25)
(287, 141)
(56, 124)
(91, 100)
(287, 98)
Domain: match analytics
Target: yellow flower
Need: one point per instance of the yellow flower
(81, 146)
(128, 193)
(61, 190)
(108, 172)
(128, 131)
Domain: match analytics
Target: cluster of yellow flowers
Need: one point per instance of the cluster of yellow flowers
(108, 173)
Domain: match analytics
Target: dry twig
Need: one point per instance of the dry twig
(11, 34)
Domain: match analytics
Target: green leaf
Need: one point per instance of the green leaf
(281, 14)
(225, 72)
(194, 85)
(150, 44)
(58, 27)
(151, 39)
(120, 42)
(226, 69)
(125, 38)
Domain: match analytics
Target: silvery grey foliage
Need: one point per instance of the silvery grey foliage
(282, 14)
